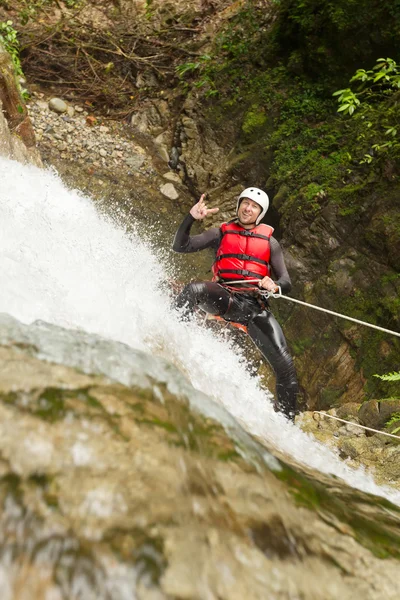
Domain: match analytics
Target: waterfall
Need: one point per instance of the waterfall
(65, 263)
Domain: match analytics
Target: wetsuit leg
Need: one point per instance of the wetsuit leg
(267, 334)
(207, 295)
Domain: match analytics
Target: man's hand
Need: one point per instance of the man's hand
(268, 284)
(199, 211)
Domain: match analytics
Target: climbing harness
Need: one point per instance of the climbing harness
(319, 412)
(240, 326)
(279, 294)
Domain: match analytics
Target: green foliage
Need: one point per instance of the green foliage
(149, 10)
(238, 45)
(31, 9)
(9, 39)
(375, 87)
(394, 419)
(326, 38)
(348, 101)
(201, 69)
(254, 120)
(395, 376)
(242, 36)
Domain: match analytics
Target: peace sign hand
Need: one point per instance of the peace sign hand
(199, 211)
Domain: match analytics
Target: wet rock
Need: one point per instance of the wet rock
(169, 191)
(174, 158)
(146, 481)
(58, 105)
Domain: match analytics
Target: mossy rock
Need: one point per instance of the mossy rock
(375, 413)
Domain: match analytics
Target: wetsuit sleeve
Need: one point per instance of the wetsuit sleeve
(184, 242)
(279, 268)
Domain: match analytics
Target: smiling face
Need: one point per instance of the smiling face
(248, 212)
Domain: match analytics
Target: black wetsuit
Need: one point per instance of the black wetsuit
(243, 308)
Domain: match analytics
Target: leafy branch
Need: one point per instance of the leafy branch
(201, 68)
(375, 87)
(381, 81)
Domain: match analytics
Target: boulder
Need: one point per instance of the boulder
(169, 191)
(369, 414)
(387, 408)
(375, 413)
(58, 105)
(171, 176)
(348, 410)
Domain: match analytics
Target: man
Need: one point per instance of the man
(245, 251)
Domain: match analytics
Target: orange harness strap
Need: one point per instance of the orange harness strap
(221, 320)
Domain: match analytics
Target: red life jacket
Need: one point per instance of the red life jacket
(243, 253)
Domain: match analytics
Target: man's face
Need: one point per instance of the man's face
(248, 211)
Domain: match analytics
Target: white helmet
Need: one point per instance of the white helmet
(258, 196)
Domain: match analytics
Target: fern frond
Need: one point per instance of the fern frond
(395, 376)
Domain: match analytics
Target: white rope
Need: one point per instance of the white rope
(335, 314)
(319, 412)
(325, 310)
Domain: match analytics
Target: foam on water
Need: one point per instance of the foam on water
(62, 262)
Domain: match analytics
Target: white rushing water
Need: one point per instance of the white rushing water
(60, 261)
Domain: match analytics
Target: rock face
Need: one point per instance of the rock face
(17, 138)
(359, 447)
(135, 491)
(375, 413)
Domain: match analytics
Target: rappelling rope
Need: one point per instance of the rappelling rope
(318, 412)
(325, 310)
